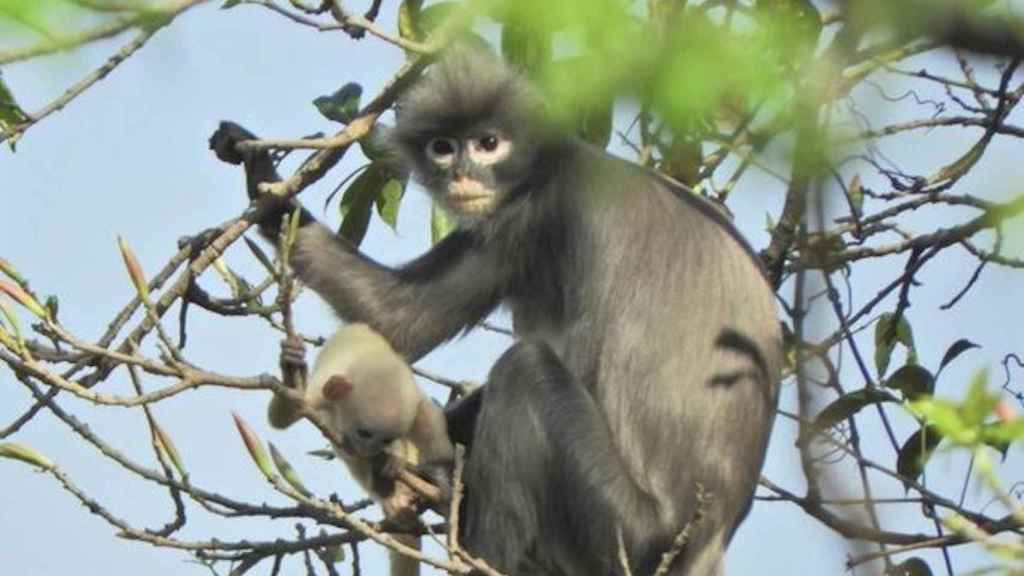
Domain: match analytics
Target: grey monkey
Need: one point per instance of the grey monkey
(648, 358)
(367, 394)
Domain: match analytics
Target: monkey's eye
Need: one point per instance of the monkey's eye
(489, 149)
(442, 150)
(489, 143)
(364, 434)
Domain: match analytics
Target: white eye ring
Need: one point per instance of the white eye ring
(489, 149)
(441, 151)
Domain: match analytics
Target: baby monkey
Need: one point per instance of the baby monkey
(367, 394)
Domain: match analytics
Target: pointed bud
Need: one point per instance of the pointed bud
(134, 269)
(227, 275)
(252, 444)
(167, 445)
(24, 299)
(293, 227)
(1005, 411)
(287, 472)
(25, 454)
(8, 341)
(8, 270)
(12, 319)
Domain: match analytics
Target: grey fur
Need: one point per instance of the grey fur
(649, 353)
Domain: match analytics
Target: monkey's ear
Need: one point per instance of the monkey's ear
(337, 387)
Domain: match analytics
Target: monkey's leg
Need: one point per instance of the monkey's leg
(545, 481)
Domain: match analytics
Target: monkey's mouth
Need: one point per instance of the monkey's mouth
(469, 196)
(477, 203)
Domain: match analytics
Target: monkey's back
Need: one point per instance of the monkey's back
(687, 345)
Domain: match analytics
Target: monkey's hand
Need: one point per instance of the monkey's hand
(293, 362)
(223, 141)
(397, 499)
(259, 169)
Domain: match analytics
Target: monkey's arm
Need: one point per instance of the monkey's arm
(415, 307)
(429, 434)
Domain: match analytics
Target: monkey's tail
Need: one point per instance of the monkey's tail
(402, 565)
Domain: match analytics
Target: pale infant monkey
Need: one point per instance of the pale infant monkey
(368, 396)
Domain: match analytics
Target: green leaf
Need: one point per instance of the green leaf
(587, 110)
(796, 25)
(34, 15)
(957, 348)
(527, 48)
(916, 451)
(946, 417)
(910, 567)
(357, 202)
(999, 435)
(888, 333)
(433, 16)
(979, 402)
(230, 4)
(849, 404)
(913, 381)
(388, 202)
(441, 224)
(10, 113)
(341, 106)
(408, 14)
(595, 123)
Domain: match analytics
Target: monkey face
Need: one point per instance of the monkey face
(365, 442)
(471, 131)
(461, 171)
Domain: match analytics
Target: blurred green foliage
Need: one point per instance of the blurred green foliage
(34, 15)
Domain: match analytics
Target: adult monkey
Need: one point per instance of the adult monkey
(649, 349)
